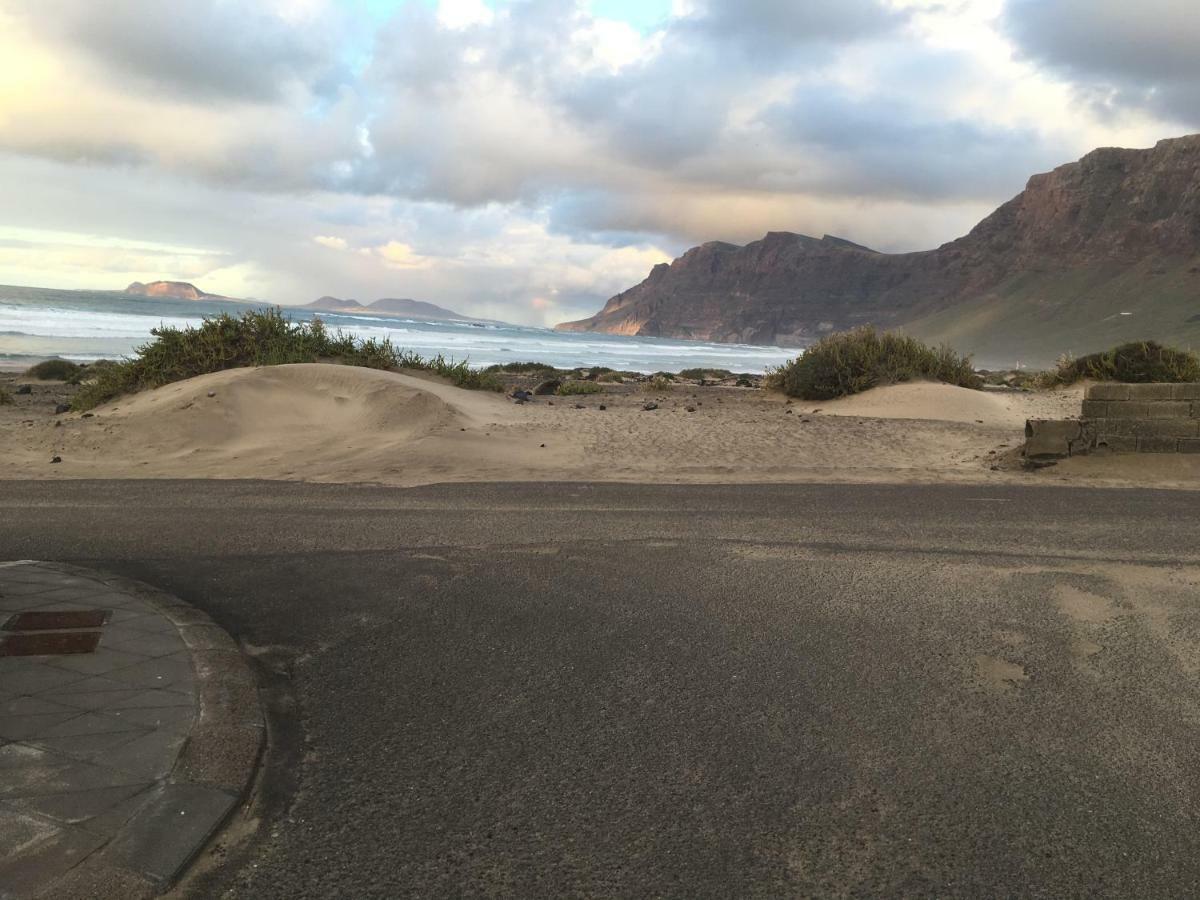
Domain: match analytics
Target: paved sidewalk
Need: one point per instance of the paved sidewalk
(127, 735)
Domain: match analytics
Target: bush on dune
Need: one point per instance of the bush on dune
(574, 388)
(855, 361)
(55, 370)
(254, 338)
(1139, 362)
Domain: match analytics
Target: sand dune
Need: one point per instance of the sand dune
(343, 424)
(947, 403)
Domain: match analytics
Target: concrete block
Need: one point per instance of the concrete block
(1109, 391)
(1150, 444)
(1052, 437)
(1166, 409)
(1149, 427)
(1128, 409)
(1189, 391)
(1095, 409)
(1116, 443)
(1150, 392)
(1189, 445)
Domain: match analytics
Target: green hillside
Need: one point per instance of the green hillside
(1036, 317)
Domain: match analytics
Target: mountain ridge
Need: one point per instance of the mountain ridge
(1098, 250)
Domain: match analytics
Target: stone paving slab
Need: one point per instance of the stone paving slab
(116, 766)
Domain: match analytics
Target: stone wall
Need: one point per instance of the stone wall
(1144, 418)
(1123, 418)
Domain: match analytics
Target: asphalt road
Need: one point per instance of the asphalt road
(576, 690)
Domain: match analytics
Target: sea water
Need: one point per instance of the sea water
(36, 323)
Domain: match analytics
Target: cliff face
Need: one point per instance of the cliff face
(1069, 233)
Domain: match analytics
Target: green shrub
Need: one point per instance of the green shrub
(855, 361)
(1139, 362)
(659, 383)
(5, 397)
(520, 367)
(571, 388)
(254, 338)
(699, 374)
(55, 370)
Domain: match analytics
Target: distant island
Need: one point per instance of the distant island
(388, 306)
(395, 306)
(173, 290)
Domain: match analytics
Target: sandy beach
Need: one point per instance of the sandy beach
(327, 423)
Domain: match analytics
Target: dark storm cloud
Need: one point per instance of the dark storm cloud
(205, 49)
(884, 145)
(1119, 53)
(775, 26)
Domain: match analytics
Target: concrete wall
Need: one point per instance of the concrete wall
(1144, 418)
(1123, 418)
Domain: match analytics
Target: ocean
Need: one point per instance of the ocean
(36, 323)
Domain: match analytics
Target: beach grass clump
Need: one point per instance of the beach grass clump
(574, 388)
(253, 338)
(659, 383)
(55, 370)
(706, 374)
(457, 372)
(1138, 362)
(854, 361)
(520, 368)
(5, 397)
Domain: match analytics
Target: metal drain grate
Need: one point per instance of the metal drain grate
(56, 620)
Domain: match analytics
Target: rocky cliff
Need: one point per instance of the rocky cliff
(1100, 249)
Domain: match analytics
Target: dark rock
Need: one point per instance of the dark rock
(649, 406)
(55, 459)
(521, 396)
(88, 416)
(62, 408)
(690, 408)
(23, 389)
(602, 406)
(546, 388)
(212, 393)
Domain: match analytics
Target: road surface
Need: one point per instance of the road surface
(687, 691)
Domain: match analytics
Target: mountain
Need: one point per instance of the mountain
(392, 306)
(1095, 252)
(175, 290)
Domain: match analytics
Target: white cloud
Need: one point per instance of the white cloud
(528, 163)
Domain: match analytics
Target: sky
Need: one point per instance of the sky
(527, 159)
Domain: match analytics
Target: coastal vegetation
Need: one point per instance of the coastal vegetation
(56, 370)
(705, 374)
(520, 368)
(855, 361)
(256, 338)
(5, 397)
(572, 388)
(1137, 362)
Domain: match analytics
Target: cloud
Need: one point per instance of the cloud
(1120, 55)
(488, 154)
(332, 243)
(208, 49)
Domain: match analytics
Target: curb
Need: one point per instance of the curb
(212, 774)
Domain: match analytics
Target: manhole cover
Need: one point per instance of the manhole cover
(53, 621)
(51, 643)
